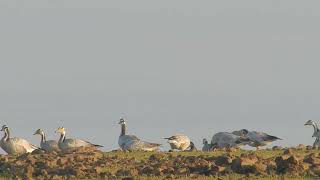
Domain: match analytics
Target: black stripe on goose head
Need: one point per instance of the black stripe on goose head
(122, 121)
(205, 141)
(4, 127)
(244, 131)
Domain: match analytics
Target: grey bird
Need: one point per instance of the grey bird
(47, 145)
(226, 139)
(67, 144)
(180, 142)
(316, 132)
(15, 145)
(257, 139)
(206, 145)
(132, 142)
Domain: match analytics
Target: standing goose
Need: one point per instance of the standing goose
(180, 142)
(47, 145)
(257, 139)
(226, 139)
(316, 132)
(67, 144)
(206, 145)
(15, 145)
(132, 142)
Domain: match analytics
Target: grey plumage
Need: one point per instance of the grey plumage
(316, 132)
(226, 139)
(67, 144)
(206, 145)
(132, 142)
(47, 145)
(15, 145)
(257, 139)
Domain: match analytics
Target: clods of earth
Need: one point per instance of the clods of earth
(94, 164)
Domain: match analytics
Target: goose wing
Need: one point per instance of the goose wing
(24, 144)
(50, 145)
(75, 143)
(261, 137)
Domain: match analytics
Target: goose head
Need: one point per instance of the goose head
(39, 132)
(242, 132)
(122, 121)
(61, 131)
(4, 127)
(205, 141)
(309, 123)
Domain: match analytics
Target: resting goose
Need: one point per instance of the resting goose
(132, 142)
(206, 145)
(67, 144)
(180, 142)
(316, 132)
(226, 139)
(15, 145)
(47, 145)
(257, 139)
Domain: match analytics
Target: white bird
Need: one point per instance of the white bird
(47, 145)
(257, 139)
(67, 144)
(206, 145)
(316, 132)
(132, 142)
(15, 145)
(226, 139)
(180, 142)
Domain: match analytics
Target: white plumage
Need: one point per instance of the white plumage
(179, 142)
(132, 142)
(15, 145)
(67, 144)
(47, 145)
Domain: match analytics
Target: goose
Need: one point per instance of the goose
(226, 139)
(15, 145)
(206, 145)
(47, 145)
(67, 144)
(180, 142)
(257, 139)
(316, 132)
(132, 142)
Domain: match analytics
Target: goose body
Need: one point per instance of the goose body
(15, 145)
(316, 132)
(67, 144)
(179, 142)
(257, 139)
(226, 139)
(47, 145)
(206, 145)
(132, 142)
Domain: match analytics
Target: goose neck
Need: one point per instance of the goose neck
(6, 134)
(123, 129)
(62, 137)
(43, 137)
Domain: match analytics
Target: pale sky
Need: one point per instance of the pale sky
(197, 68)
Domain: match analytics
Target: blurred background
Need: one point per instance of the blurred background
(169, 67)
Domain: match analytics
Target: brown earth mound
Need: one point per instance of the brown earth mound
(94, 164)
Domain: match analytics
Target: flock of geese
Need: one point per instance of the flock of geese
(180, 142)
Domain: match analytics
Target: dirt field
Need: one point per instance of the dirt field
(292, 163)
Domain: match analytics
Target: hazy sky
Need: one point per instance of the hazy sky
(170, 66)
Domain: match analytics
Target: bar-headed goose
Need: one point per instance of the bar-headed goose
(15, 145)
(257, 139)
(66, 144)
(316, 132)
(180, 142)
(47, 145)
(226, 139)
(132, 142)
(206, 145)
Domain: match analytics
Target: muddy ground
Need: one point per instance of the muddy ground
(94, 164)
